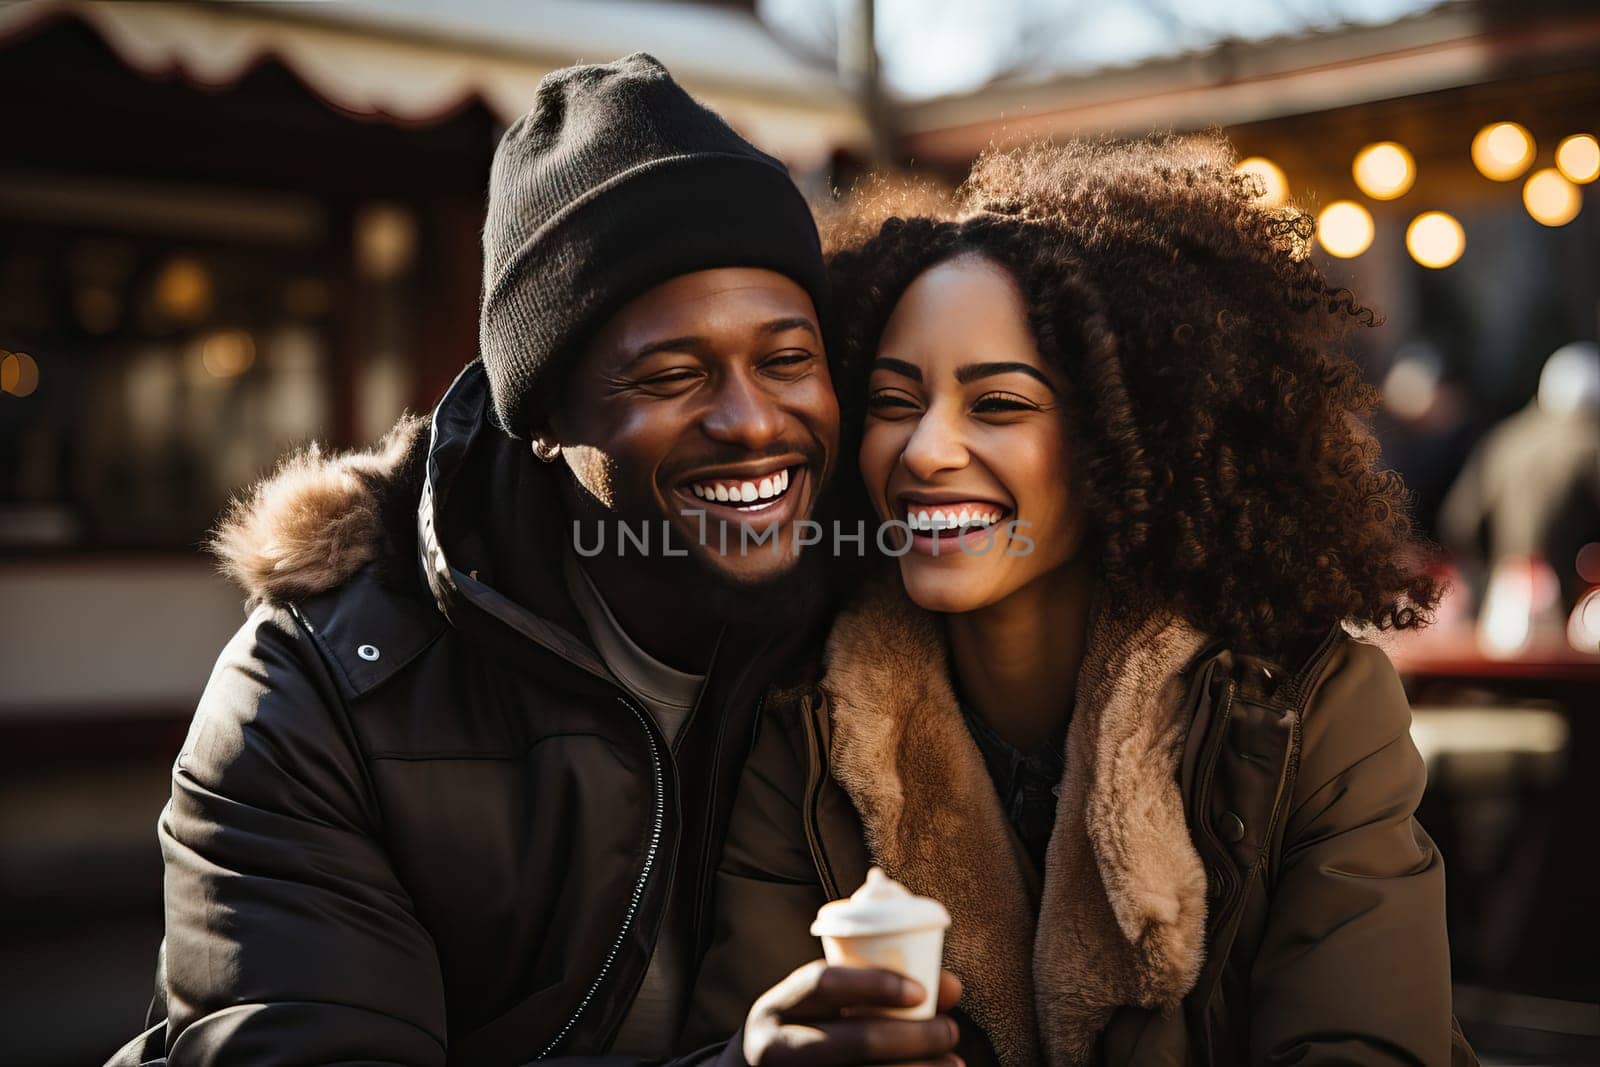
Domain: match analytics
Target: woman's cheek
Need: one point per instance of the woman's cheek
(1035, 471)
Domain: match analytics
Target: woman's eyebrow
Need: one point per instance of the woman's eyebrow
(898, 366)
(973, 371)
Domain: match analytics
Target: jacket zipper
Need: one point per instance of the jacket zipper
(811, 792)
(638, 886)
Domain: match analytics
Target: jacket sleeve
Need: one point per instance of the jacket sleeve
(1354, 966)
(289, 937)
(767, 886)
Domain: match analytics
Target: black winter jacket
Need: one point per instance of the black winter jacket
(414, 821)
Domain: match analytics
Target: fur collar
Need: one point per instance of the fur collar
(318, 519)
(1122, 918)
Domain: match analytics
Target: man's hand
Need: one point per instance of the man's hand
(818, 1017)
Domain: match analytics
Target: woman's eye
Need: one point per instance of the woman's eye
(890, 402)
(1002, 403)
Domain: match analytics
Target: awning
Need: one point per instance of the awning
(372, 63)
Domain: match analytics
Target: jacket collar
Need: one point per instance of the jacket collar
(1122, 915)
(318, 519)
(403, 513)
(452, 551)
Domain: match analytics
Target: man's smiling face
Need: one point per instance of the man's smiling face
(709, 393)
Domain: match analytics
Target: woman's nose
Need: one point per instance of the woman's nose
(935, 445)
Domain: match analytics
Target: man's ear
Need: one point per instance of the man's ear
(542, 436)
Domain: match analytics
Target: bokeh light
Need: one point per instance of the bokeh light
(1385, 170)
(385, 241)
(1435, 239)
(228, 353)
(1587, 563)
(19, 374)
(1273, 180)
(183, 289)
(1345, 229)
(1578, 158)
(1502, 151)
(1583, 625)
(1550, 198)
(1411, 388)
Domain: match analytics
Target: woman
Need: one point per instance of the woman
(1105, 708)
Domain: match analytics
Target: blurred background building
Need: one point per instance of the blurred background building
(227, 228)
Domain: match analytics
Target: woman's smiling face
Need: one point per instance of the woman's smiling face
(966, 440)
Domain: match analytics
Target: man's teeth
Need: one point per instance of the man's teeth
(935, 519)
(747, 492)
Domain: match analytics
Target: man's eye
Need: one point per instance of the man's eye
(669, 377)
(789, 361)
(668, 381)
(1001, 404)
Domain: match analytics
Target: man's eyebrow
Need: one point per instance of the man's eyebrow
(973, 371)
(898, 366)
(692, 343)
(793, 322)
(686, 343)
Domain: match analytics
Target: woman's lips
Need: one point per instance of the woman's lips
(952, 516)
(955, 527)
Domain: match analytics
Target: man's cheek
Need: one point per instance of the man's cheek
(595, 471)
(819, 409)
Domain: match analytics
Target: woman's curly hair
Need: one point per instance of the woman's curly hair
(1228, 469)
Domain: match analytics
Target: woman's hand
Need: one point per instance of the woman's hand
(816, 1016)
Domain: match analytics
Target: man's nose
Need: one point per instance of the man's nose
(743, 415)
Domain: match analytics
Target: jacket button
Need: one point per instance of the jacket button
(1230, 827)
(368, 652)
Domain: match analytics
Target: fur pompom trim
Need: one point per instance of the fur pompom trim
(314, 522)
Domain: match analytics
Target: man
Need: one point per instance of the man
(456, 790)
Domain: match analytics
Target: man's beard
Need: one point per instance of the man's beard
(774, 600)
(693, 573)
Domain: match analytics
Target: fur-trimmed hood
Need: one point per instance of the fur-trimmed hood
(1123, 909)
(319, 518)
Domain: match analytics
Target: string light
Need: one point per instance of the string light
(1345, 229)
(19, 374)
(1384, 171)
(1435, 239)
(1578, 158)
(1502, 151)
(1550, 198)
(1274, 182)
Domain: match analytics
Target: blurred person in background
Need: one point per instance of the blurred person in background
(1167, 799)
(1528, 501)
(455, 791)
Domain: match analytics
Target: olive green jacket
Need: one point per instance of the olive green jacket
(1235, 874)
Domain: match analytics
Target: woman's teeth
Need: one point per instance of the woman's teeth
(961, 518)
(745, 492)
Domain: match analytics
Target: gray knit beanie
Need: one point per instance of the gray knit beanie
(616, 181)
